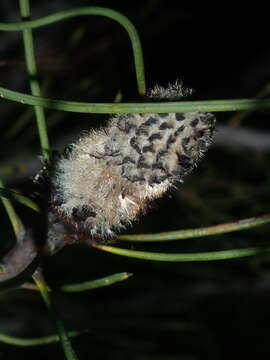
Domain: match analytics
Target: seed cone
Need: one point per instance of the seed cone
(106, 179)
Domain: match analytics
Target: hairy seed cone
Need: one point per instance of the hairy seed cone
(107, 178)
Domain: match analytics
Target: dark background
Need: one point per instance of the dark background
(213, 310)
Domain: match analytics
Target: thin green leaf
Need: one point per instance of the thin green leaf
(184, 257)
(43, 288)
(16, 223)
(200, 232)
(12, 195)
(90, 285)
(144, 107)
(98, 11)
(45, 340)
(31, 286)
(237, 118)
(34, 84)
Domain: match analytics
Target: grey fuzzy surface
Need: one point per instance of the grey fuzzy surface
(108, 177)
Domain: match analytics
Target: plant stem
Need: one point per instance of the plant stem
(143, 107)
(200, 232)
(12, 340)
(183, 257)
(87, 285)
(98, 11)
(94, 284)
(12, 195)
(16, 223)
(34, 84)
(43, 288)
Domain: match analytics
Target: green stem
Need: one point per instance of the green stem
(200, 232)
(99, 11)
(239, 117)
(16, 223)
(32, 72)
(66, 345)
(184, 257)
(90, 285)
(12, 195)
(146, 107)
(12, 340)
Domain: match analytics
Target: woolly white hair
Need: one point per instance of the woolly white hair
(173, 92)
(106, 179)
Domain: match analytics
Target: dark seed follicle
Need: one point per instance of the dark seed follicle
(109, 177)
